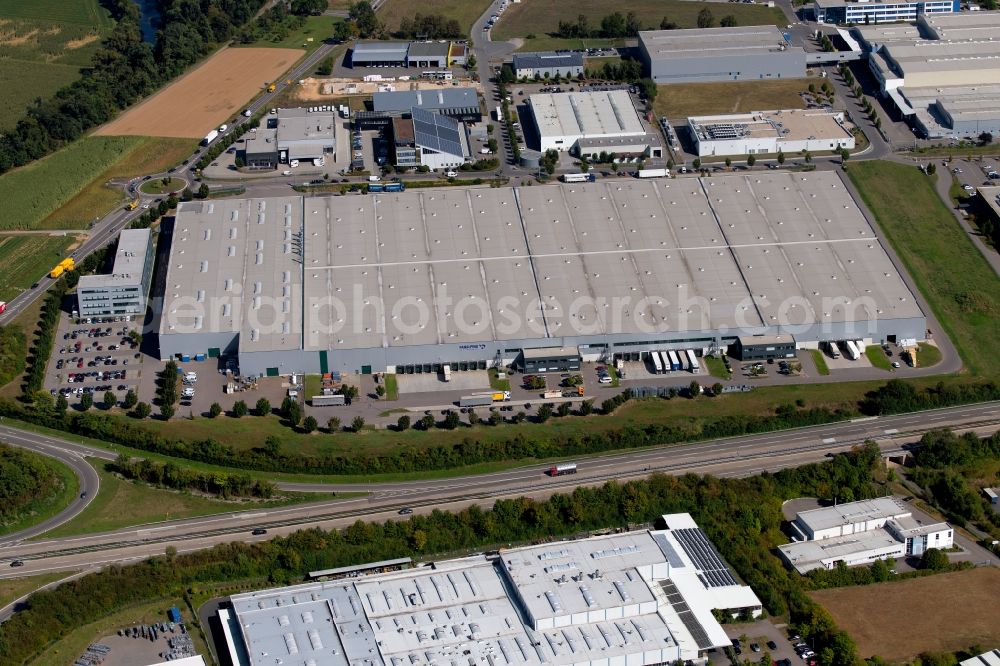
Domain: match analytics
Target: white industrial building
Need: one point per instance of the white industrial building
(860, 533)
(633, 599)
(122, 292)
(564, 120)
(943, 75)
(991, 658)
(547, 64)
(770, 132)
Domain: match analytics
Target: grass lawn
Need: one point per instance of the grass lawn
(957, 150)
(123, 503)
(927, 355)
(680, 100)
(73, 644)
(716, 367)
(391, 387)
(308, 37)
(877, 357)
(496, 383)
(819, 359)
(543, 17)
(464, 11)
(543, 42)
(65, 488)
(25, 259)
(15, 588)
(27, 321)
(312, 385)
(157, 186)
(961, 288)
(944, 613)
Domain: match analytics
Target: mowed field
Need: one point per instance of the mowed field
(464, 11)
(898, 621)
(540, 17)
(206, 96)
(680, 100)
(43, 46)
(25, 259)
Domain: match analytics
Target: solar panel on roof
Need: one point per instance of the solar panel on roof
(705, 557)
(686, 615)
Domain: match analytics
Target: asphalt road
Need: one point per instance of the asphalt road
(739, 456)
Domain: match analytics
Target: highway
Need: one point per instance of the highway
(738, 456)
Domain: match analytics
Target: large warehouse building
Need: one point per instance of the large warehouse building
(770, 132)
(942, 75)
(860, 533)
(474, 276)
(746, 53)
(588, 123)
(639, 598)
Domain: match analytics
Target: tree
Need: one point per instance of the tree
(934, 559)
(62, 404)
(729, 162)
(985, 139)
(333, 424)
(781, 157)
(214, 410)
(263, 407)
(130, 399)
(808, 157)
(694, 389)
(166, 411)
(427, 422)
(586, 407)
(240, 409)
(563, 409)
(142, 410)
(717, 388)
(667, 24)
(86, 401)
(496, 418)
(544, 413)
(697, 163)
(309, 424)
(728, 21)
(294, 414)
(844, 155)
(325, 67)
(705, 18)
(272, 445)
(203, 192)
(751, 160)
(380, 391)
(365, 22)
(418, 540)
(931, 169)
(403, 423)
(358, 423)
(187, 194)
(452, 420)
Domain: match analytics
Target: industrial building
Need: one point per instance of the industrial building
(564, 120)
(771, 132)
(293, 134)
(547, 64)
(430, 139)
(943, 74)
(860, 533)
(864, 12)
(991, 658)
(639, 598)
(123, 292)
(745, 53)
(471, 277)
(379, 54)
(763, 347)
(460, 103)
(428, 54)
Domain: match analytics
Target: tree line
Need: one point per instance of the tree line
(124, 70)
(898, 396)
(737, 514)
(25, 478)
(428, 26)
(169, 475)
(619, 26)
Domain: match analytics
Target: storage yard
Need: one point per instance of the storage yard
(375, 282)
(201, 99)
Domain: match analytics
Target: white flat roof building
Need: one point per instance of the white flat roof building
(637, 598)
(565, 118)
(991, 658)
(770, 132)
(124, 290)
(860, 533)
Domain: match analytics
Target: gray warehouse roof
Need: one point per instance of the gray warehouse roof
(586, 114)
(404, 100)
(543, 59)
(730, 253)
(439, 133)
(130, 261)
(424, 49)
(705, 42)
(377, 50)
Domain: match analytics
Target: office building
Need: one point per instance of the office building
(399, 281)
(261, 149)
(547, 64)
(865, 13)
(859, 533)
(639, 598)
(771, 132)
(763, 347)
(745, 53)
(430, 139)
(306, 134)
(123, 292)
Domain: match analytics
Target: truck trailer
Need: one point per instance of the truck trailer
(328, 400)
(210, 137)
(653, 173)
(675, 362)
(657, 362)
(475, 401)
(692, 360)
(559, 470)
(579, 178)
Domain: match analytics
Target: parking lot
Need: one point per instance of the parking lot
(91, 356)
(752, 640)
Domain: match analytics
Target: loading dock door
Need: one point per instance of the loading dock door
(271, 372)
(324, 362)
(214, 352)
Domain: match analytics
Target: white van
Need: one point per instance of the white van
(293, 163)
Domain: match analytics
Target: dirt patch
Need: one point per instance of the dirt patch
(898, 621)
(205, 97)
(13, 39)
(83, 41)
(321, 89)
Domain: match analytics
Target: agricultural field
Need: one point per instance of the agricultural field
(43, 46)
(206, 96)
(540, 18)
(960, 287)
(899, 620)
(25, 259)
(464, 11)
(680, 100)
